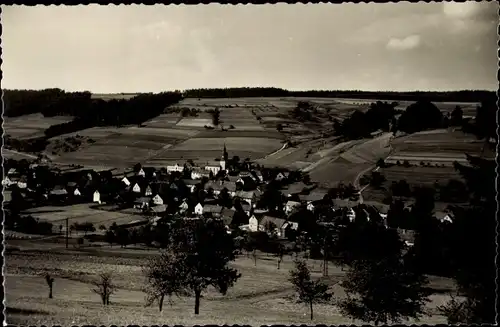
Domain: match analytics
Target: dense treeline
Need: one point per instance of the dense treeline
(456, 96)
(87, 112)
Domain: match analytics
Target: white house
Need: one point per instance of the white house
(141, 173)
(136, 188)
(214, 168)
(199, 173)
(126, 181)
(22, 183)
(290, 206)
(157, 199)
(97, 197)
(198, 209)
(175, 167)
(77, 192)
(253, 224)
(310, 206)
(148, 191)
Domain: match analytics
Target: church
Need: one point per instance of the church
(216, 166)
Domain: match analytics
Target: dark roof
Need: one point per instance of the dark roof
(191, 182)
(143, 199)
(313, 196)
(245, 194)
(279, 222)
(212, 208)
(159, 208)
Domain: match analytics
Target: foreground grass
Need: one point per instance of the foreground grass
(263, 295)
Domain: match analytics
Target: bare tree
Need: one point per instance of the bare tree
(50, 281)
(104, 287)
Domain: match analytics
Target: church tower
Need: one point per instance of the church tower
(224, 158)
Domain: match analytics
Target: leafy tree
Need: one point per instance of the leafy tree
(104, 287)
(419, 116)
(110, 238)
(384, 291)
(381, 163)
(377, 179)
(457, 116)
(475, 274)
(309, 291)
(197, 256)
(386, 285)
(162, 279)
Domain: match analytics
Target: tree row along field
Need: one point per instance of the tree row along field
(261, 296)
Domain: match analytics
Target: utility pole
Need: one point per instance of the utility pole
(67, 231)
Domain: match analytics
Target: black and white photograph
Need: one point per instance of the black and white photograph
(273, 164)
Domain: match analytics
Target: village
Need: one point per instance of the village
(243, 195)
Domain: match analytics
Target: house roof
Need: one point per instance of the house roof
(279, 222)
(189, 182)
(245, 194)
(245, 207)
(293, 203)
(212, 208)
(159, 208)
(233, 178)
(313, 196)
(295, 188)
(228, 212)
(58, 191)
(143, 199)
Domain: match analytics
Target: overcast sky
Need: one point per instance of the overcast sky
(108, 49)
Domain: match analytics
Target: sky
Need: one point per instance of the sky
(372, 47)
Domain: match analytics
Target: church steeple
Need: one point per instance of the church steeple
(224, 153)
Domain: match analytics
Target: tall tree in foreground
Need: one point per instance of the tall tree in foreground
(196, 257)
(474, 260)
(381, 285)
(309, 291)
(50, 282)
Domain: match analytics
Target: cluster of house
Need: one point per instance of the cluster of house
(215, 190)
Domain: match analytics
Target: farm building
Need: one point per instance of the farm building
(148, 191)
(77, 192)
(141, 173)
(191, 183)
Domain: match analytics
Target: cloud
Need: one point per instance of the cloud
(407, 43)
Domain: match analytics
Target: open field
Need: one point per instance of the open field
(80, 213)
(31, 126)
(262, 295)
